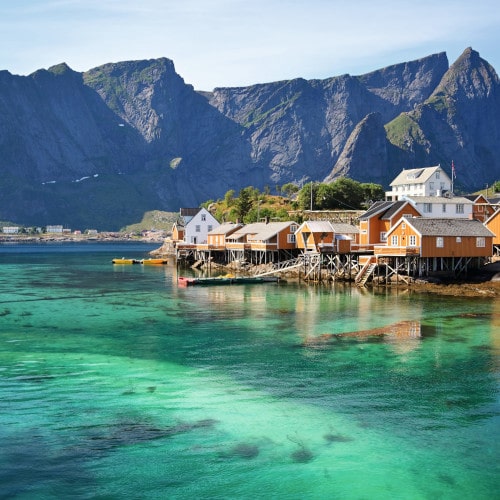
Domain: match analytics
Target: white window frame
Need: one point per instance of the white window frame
(412, 240)
(480, 242)
(439, 242)
(197, 228)
(459, 207)
(290, 238)
(383, 236)
(394, 240)
(427, 208)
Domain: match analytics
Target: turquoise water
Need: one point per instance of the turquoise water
(115, 382)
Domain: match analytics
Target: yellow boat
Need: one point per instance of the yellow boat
(123, 260)
(154, 262)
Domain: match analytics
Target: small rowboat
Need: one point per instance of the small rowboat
(123, 260)
(154, 262)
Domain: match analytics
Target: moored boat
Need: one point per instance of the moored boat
(226, 280)
(154, 262)
(123, 260)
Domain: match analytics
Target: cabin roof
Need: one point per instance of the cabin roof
(225, 228)
(377, 208)
(189, 212)
(318, 226)
(344, 228)
(384, 209)
(415, 175)
(266, 231)
(439, 199)
(427, 226)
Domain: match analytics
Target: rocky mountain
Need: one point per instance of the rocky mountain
(100, 148)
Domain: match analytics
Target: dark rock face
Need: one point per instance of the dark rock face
(97, 149)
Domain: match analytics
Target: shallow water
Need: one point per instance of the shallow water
(115, 382)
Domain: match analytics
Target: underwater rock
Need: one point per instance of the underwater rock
(241, 450)
(337, 438)
(302, 455)
(401, 329)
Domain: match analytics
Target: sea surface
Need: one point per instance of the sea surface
(117, 383)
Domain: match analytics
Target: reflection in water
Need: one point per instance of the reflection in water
(110, 379)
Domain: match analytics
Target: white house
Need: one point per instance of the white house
(429, 181)
(198, 227)
(449, 206)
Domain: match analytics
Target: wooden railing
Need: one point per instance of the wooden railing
(399, 251)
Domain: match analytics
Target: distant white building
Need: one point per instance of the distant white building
(429, 181)
(198, 226)
(54, 229)
(449, 207)
(10, 230)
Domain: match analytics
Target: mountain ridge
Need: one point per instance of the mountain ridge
(102, 147)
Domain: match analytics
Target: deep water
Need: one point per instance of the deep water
(117, 383)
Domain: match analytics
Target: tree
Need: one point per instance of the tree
(307, 196)
(347, 194)
(289, 189)
(372, 192)
(244, 202)
(229, 198)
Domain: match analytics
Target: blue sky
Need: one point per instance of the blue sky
(219, 43)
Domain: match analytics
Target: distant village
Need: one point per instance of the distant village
(421, 229)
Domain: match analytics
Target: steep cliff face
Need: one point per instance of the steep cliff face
(97, 149)
(459, 122)
(299, 128)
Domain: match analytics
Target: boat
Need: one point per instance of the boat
(123, 260)
(226, 280)
(154, 262)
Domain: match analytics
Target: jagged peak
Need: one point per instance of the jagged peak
(469, 75)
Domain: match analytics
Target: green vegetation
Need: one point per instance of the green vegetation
(155, 219)
(252, 205)
(402, 128)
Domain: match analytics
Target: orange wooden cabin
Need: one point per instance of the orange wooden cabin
(429, 237)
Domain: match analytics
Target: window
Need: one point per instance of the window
(460, 208)
(427, 208)
(394, 240)
(438, 173)
(444, 208)
(403, 225)
(209, 227)
(480, 242)
(412, 240)
(431, 185)
(293, 228)
(439, 242)
(203, 217)
(290, 238)
(458, 239)
(383, 236)
(197, 228)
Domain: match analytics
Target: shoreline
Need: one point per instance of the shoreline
(79, 238)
